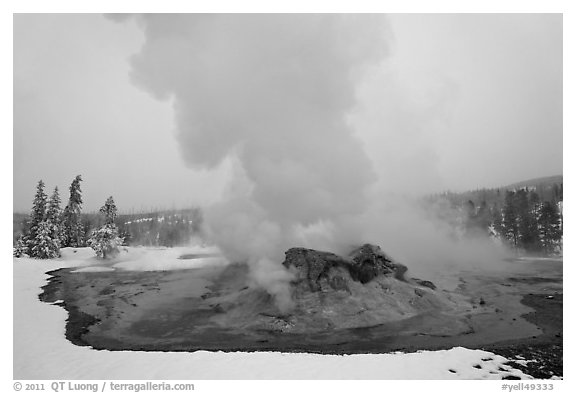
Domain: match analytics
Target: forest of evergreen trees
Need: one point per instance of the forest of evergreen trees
(49, 228)
(526, 217)
(166, 229)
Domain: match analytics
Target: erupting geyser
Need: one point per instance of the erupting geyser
(271, 94)
(270, 97)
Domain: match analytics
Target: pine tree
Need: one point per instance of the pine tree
(42, 239)
(496, 218)
(105, 240)
(509, 219)
(53, 210)
(36, 218)
(527, 221)
(44, 245)
(125, 235)
(109, 211)
(53, 220)
(549, 226)
(20, 248)
(87, 224)
(534, 200)
(72, 233)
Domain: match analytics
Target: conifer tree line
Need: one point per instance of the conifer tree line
(50, 228)
(528, 218)
(167, 228)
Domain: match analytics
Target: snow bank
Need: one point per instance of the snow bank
(153, 259)
(151, 263)
(42, 352)
(93, 269)
(75, 255)
(543, 259)
(143, 259)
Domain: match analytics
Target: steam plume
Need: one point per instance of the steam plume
(273, 93)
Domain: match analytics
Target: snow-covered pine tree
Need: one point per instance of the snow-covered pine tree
(44, 245)
(36, 218)
(53, 219)
(105, 240)
(72, 233)
(53, 210)
(20, 248)
(109, 211)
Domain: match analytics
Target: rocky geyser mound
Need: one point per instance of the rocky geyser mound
(365, 288)
(321, 269)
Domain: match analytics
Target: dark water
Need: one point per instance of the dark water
(143, 311)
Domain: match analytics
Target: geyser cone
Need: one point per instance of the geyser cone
(365, 289)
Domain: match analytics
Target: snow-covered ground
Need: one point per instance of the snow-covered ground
(144, 258)
(42, 352)
(540, 259)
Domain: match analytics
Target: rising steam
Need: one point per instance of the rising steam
(271, 94)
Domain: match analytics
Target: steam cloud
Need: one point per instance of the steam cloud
(271, 94)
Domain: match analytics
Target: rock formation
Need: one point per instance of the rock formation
(363, 264)
(366, 288)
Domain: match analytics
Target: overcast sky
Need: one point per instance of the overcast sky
(458, 102)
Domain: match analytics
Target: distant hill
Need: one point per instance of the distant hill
(549, 189)
(540, 181)
(526, 215)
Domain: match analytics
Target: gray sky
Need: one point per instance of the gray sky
(458, 102)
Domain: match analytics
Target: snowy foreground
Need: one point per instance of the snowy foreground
(42, 352)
